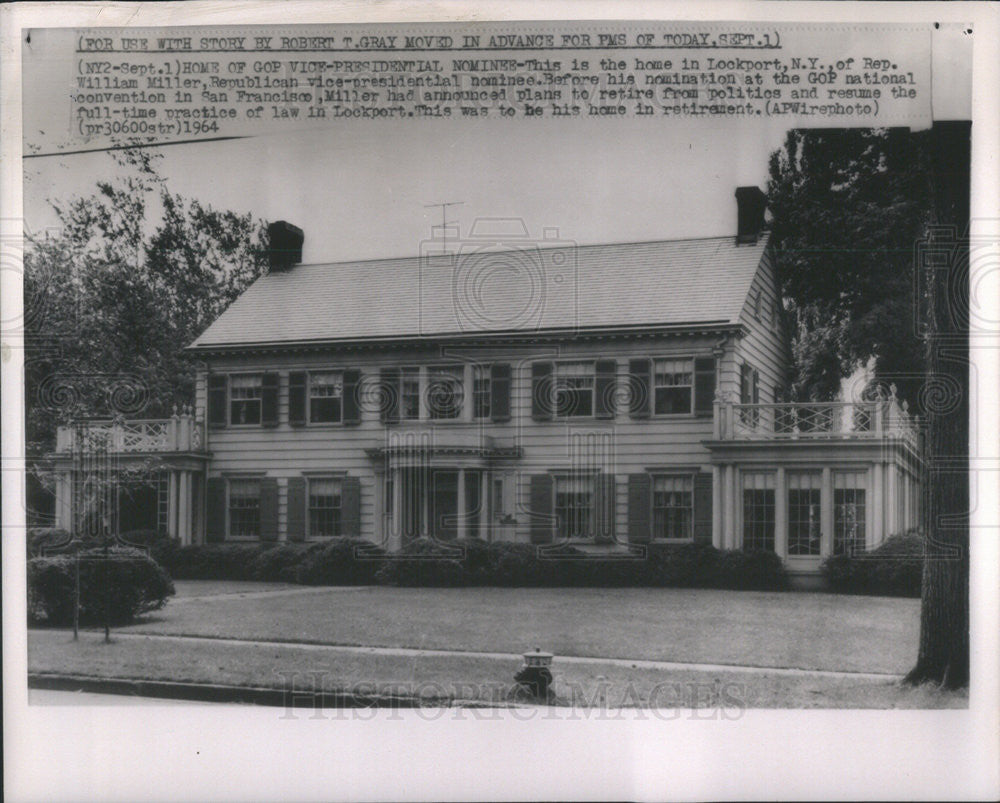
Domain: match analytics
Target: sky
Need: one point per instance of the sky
(360, 190)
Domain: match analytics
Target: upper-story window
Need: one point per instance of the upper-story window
(409, 395)
(326, 393)
(574, 389)
(672, 383)
(445, 391)
(481, 391)
(245, 394)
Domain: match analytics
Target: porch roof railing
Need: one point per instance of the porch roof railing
(879, 418)
(181, 432)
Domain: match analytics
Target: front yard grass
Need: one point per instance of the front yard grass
(440, 678)
(767, 629)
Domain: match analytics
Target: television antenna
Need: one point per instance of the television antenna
(444, 213)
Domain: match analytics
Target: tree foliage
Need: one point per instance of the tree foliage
(848, 206)
(134, 274)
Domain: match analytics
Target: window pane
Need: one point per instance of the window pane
(409, 407)
(849, 512)
(445, 392)
(244, 508)
(574, 503)
(672, 380)
(325, 393)
(574, 389)
(481, 391)
(672, 507)
(244, 396)
(803, 514)
(324, 507)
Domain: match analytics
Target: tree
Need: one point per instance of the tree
(133, 276)
(847, 206)
(943, 656)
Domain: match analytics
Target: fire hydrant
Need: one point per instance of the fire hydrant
(535, 676)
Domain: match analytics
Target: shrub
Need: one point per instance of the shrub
(759, 570)
(131, 582)
(424, 562)
(515, 564)
(279, 563)
(141, 538)
(342, 561)
(46, 541)
(684, 565)
(895, 568)
(207, 561)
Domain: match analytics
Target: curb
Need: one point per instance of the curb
(253, 695)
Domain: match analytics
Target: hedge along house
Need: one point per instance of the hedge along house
(505, 388)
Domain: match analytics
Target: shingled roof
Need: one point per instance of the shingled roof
(482, 291)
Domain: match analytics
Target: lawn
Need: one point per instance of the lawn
(766, 629)
(434, 678)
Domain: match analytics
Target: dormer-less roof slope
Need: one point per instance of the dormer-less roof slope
(479, 290)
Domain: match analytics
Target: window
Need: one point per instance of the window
(409, 407)
(326, 392)
(324, 507)
(574, 389)
(245, 392)
(749, 395)
(672, 382)
(445, 392)
(481, 390)
(498, 498)
(758, 511)
(848, 512)
(756, 304)
(244, 508)
(574, 506)
(672, 507)
(803, 513)
(389, 489)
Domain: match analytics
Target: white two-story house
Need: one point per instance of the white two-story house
(502, 388)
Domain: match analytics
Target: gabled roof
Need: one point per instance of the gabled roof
(478, 290)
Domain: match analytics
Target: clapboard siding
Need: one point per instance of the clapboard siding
(765, 347)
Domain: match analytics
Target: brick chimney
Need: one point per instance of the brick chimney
(284, 245)
(750, 203)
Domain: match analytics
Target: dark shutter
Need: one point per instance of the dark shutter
(268, 509)
(352, 409)
(756, 387)
(350, 506)
(215, 518)
(217, 385)
(704, 385)
(389, 394)
(745, 380)
(269, 400)
(604, 508)
(500, 382)
(541, 391)
(640, 377)
(604, 388)
(703, 508)
(542, 521)
(296, 508)
(640, 504)
(297, 398)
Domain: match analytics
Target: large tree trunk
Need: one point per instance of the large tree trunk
(944, 614)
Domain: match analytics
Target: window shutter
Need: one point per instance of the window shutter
(389, 396)
(296, 508)
(500, 385)
(350, 504)
(604, 388)
(745, 384)
(297, 398)
(703, 508)
(268, 509)
(352, 410)
(269, 400)
(215, 513)
(756, 386)
(604, 508)
(541, 391)
(704, 385)
(542, 520)
(640, 376)
(217, 385)
(640, 505)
